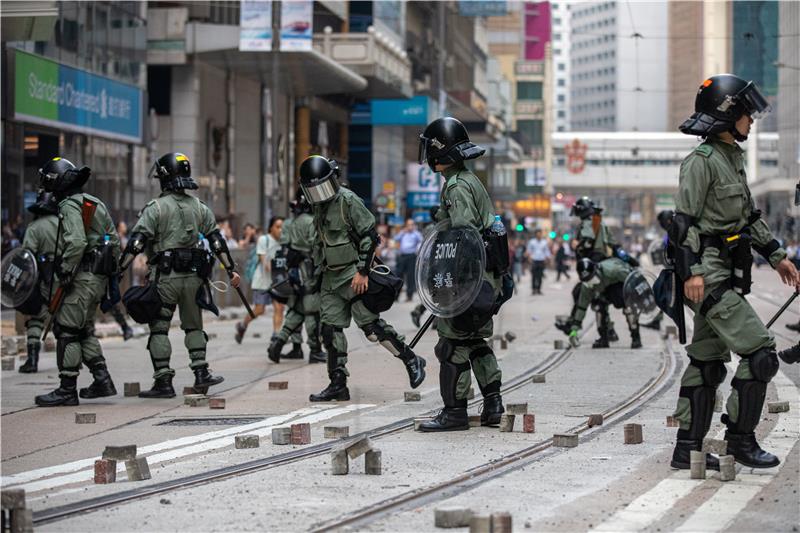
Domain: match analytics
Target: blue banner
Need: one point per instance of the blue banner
(416, 200)
(405, 112)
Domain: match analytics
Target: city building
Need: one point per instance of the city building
(560, 12)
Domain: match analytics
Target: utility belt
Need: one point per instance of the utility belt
(497, 258)
(99, 261)
(183, 260)
(735, 248)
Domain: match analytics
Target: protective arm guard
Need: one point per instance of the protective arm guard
(763, 241)
(134, 247)
(220, 249)
(366, 249)
(684, 257)
(620, 253)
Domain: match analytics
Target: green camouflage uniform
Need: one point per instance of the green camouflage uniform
(300, 235)
(714, 192)
(74, 324)
(609, 272)
(465, 202)
(175, 220)
(597, 248)
(40, 238)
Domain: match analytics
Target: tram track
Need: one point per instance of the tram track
(555, 359)
(498, 467)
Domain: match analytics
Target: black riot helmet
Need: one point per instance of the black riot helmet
(61, 177)
(174, 172)
(586, 269)
(299, 205)
(319, 179)
(584, 208)
(665, 218)
(445, 142)
(46, 204)
(722, 100)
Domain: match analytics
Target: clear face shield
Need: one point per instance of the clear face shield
(422, 156)
(754, 103)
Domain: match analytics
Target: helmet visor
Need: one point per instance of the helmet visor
(423, 149)
(754, 103)
(320, 192)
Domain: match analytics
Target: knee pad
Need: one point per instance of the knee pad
(701, 402)
(327, 332)
(64, 338)
(712, 372)
(751, 395)
(763, 364)
(377, 333)
(480, 351)
(443, 350)
(449, 374)
(374, 332)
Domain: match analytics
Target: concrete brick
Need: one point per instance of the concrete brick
(85, 418)
(9, 346)
(727, 468)
(516, 408)
(719, 402)
(633, 434)
(506, 423)
(538, 378)
(22, 344)
(447, 517)
(132, 389)
(501, 523)
(565, 440)
(558, 344)
(189, 391)
(246, 441)
(372, 462)
(357, 447)
(105, 471)
(137, 469)
(697, 464)
(281, 436)
(301, 433)
(474, 421)
(196, 400)
(256, 335)
(411, 396)
(120, 453)
(480, 524)
(278, 385)
(8, 363)
(778, 407)
(503, 344)
(340, 464)
(21, 521)
(336, 432)
(528, 423)
(672, 422)
(510, 336)
(216, 403)
(595, 420)
(12, 498)
(715, 446)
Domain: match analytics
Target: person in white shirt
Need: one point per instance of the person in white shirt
(538, 252)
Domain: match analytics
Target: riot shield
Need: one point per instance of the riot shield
(20, 274)
(638, 294)
(657, 253)
(450, 267)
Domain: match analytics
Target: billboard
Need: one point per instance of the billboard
(255, 26)
(297, 21)
(52, 94)
(400, 112)
(423, 186)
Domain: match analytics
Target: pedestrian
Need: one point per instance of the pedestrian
(563, 255)
(171, 230)
(519, 259)
(248, 236)
(462, 345)
(267, 248)
(87, 248)
(409, 241)
(538, 251)
(714, 215)
(344, 251)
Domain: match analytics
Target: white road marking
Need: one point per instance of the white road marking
(80, 471)
(650, 506)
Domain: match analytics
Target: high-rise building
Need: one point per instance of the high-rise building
(560, 12)
(618, 66)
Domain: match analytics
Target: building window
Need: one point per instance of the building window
(562, 113)
(561, 97)
(561, 66)
(529, 90)
(561, 82)
(531, 130)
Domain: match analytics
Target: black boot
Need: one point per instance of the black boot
(317, 356)
(240, 330)
(65, 394)
(335, 391)
(449, 419)
(789, 356)
(415, 366)
(602, 341)
(745, 449)
(127, 333)
(296, 352)
(203, 379)
(492, 409)
(681, 455)
(416, 315)
(612, 336)
(636, 340)
(32, 364)
(102, 385)
(162, 388)
(274, 350)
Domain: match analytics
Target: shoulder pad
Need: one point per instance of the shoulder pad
(452, 181)
(704, 149)
(154, 201)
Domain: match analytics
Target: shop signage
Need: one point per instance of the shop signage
(400, 112)
(255, 26)
(482, 8)
(297, 21)
(52, 94)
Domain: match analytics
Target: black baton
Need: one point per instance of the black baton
(241, 295)
(421, 331)
(782, 309)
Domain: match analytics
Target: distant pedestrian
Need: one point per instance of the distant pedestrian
(563, 255)
(538, 252)
(409, 240)
(519, 259)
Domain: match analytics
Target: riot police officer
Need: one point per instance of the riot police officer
(171, 230)
(462, 346)
(303, 305)
(40, 238)
(87, 249)
(712, 232)
(344, 252)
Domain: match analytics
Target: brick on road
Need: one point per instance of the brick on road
(449, 517)
(633, 434)
(528, 423)
(12, 499)
(565, 440)
(301, 433)
(85, 418)
(474, 421)
(105, 471)
(120, 453)
(132, 389)
(137, 469)
(539, 378)
(195, 400)
(480, 524)
(697, 464)
(778, 407)
(278, 385)
(506, 423)
(595, 420)
(727, 468)
(356, 447)
(672, 422)
(336, 432)
(7, 363)
(372, 463)
(715, 446)
(21, 521)
(281, 436)
(340, 464)
(501, 523)
(246, 441)
(516, 408)
(412, 396)
(216, 403)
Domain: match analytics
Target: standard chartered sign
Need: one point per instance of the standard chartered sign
(49, 93)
